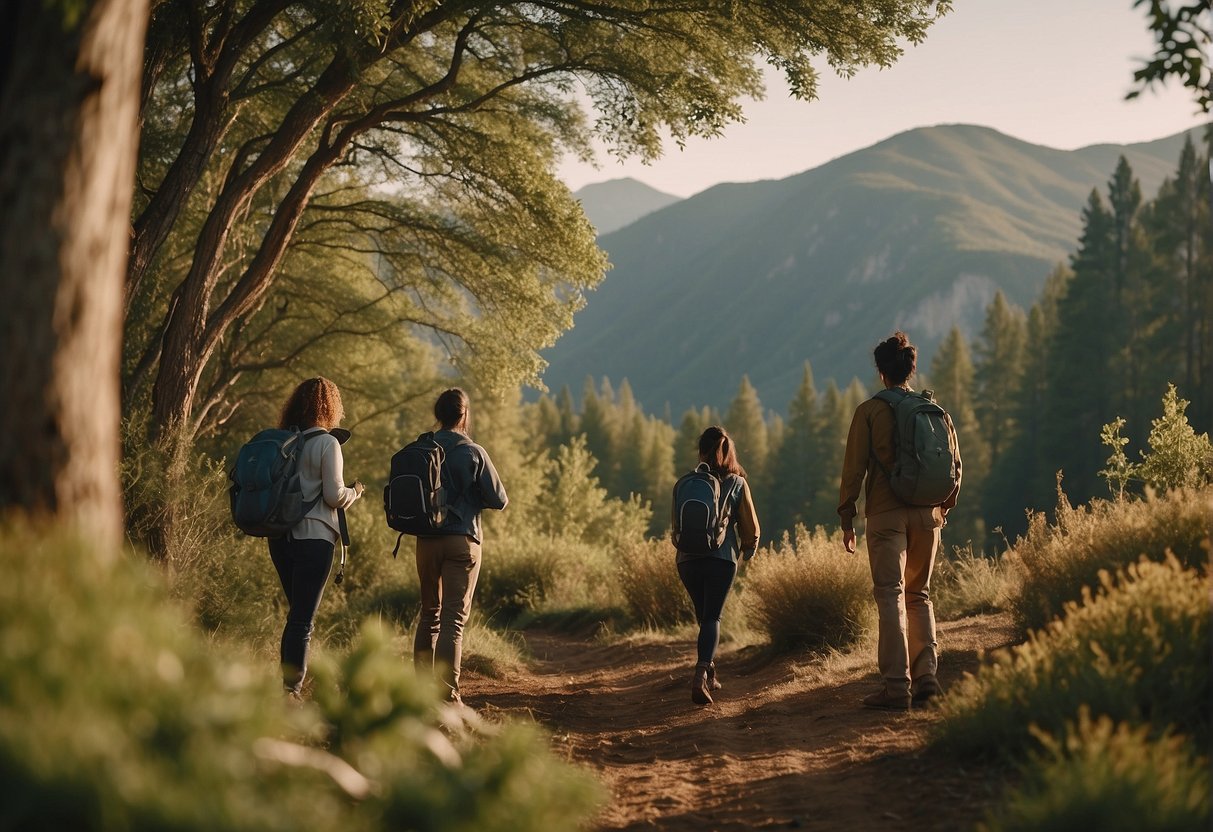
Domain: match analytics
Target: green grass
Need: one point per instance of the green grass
(1137, 650)
(1110, 777)
(1055, 562)
(116, 713)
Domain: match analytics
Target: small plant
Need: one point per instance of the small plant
(1137, 650)
(808, 593)
(1111, 777)
(1178, 457)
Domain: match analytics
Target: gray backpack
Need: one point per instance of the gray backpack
(925, 470)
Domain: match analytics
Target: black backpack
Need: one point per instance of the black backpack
(266, 495)
(925, 471)
(417, 496)
(700, 516)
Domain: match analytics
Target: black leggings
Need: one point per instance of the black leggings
(708, 581)
(303, 568)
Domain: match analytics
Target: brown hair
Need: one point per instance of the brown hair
(896, 358)
(315, 403)
(452, 408)
(717, 449)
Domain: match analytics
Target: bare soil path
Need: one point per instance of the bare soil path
(786, 744)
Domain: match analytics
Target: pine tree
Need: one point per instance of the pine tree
(1024, 479)
(1081, 380)
(997, 372)
(830, 427)
(746, 425)
(952, 374)
(796, 470)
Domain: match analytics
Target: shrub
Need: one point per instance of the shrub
(116, 714)
(652, 591)
(1110, 778)
(1056, 562)
(529, 571)
(1137, 651)
(808, 592)
(968, 584)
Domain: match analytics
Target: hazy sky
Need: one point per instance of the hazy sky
(1052, 72)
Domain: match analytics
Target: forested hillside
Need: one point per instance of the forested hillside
(1030, 385)
(917, 232)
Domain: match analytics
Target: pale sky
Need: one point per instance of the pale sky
(1051, 72)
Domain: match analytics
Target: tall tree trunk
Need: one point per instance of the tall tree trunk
(69, 100)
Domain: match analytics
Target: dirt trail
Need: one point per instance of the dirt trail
(786, 744)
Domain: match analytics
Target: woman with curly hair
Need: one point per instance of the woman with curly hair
(304, 557)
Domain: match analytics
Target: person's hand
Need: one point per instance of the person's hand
(358, 488)
(848, 540)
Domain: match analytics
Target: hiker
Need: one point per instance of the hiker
(304, 556)
(902, 537)
(707, 563)
(448, 562)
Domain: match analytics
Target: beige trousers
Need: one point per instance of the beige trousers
(902, 545)
(447, 568)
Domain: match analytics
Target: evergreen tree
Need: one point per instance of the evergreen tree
(1024, 479)
(1178, 226)
(1080, 386)
(596, 427)
(796, 470)
(952, 374)
(744, 422)
(997, 372)
(830, 427)
(570, 424)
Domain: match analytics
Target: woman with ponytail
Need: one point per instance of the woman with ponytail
(708, 577)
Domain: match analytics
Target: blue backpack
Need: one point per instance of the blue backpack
(266, 495)
(700, 516)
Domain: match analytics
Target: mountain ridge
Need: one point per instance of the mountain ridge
(915, 232)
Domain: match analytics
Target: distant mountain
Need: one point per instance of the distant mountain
(620, 202)
(917, 232)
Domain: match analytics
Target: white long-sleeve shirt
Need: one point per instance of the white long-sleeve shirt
(321, 473)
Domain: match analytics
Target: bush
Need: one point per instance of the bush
(1136, 651)
(1056, 562)
(531, 572)
(116, 714)
(1110, 778)
(652, 591)
(808, 592)
(968, 584)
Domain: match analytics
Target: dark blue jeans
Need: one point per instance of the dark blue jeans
(708, 581)
(303, 568)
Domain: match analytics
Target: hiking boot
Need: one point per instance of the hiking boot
(713, 683)
(884, 700)
(925, 691)
(699, 685)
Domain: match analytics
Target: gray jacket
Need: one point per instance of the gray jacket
(474, 484)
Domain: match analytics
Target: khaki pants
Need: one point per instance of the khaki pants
(902, 545)
(447, 567)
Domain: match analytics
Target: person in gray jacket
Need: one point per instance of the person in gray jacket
(448, 563)
(304, 557)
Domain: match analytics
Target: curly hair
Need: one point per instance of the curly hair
(896, 358)
(315, 403)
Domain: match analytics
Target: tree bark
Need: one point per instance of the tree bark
(69, 101)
